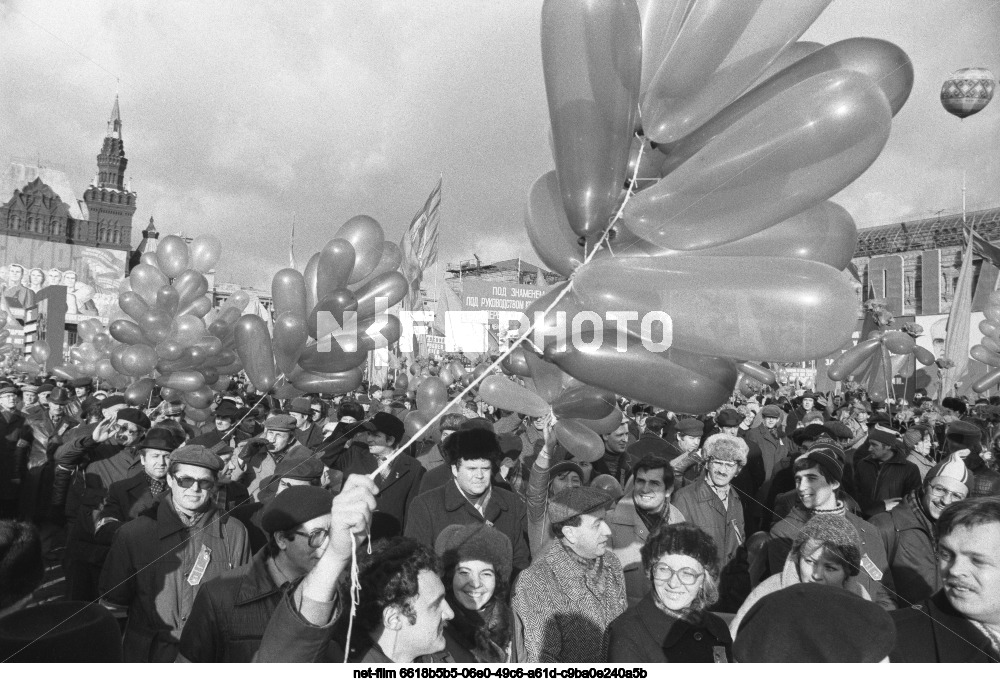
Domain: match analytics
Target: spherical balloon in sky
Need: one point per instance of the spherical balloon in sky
(967, 91)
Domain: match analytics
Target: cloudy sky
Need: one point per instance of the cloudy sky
(240, 115)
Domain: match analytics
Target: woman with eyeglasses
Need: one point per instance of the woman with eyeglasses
(827, 550)
(672, 624)
(909, 530)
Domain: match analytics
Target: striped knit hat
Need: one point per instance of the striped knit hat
(954, 468)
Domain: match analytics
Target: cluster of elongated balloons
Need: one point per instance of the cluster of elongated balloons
(169, 334)
(315, 345)
(988, 350)
(875, 360)
(745, 135)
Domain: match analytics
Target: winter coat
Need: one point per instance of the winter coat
(148, 569)
(875, 482)
(397, 488)
(628, 535)
(934, 632)
(774, 447)
(789, 576)
(230, 615)
(437, 509)
(909, 538)
(14, 452)
(565, 610)
(125, 501)
(290, 638)
(699, 505)
(646, 634)
(874, 575)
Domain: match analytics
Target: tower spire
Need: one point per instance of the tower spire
(115, 122)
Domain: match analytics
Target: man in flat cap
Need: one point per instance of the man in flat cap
(684, 454)
(14, 451)
(307, 432)
(567, 598)
(128, 498)
(173, 411)
(230, 614)
(29, 401)
(884, 476)
(219, 434)
(363, 447)
(49, 426)
(259, 456)
(82, 388)
(159, 561)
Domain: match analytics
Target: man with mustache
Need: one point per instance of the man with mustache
(961, 622)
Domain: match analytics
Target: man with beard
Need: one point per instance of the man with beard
(260, 455)
(637, 516)
(909, 534)
(158, 561)
(961, 622)
(713, 505)
(130, 497)
(230, 614)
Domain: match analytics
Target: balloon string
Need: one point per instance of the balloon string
(521, 339)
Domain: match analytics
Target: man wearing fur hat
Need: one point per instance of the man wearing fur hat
(884, 476)
(713, 505)
(567, 598)
(471, 497)
(961, 622)
(908, 530)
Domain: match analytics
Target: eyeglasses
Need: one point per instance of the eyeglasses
(944, 493)
(723, 463)
(187, 481)
(130, 430)
(316, 537)
(686, 576)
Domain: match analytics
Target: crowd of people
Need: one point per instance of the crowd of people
(785, 527)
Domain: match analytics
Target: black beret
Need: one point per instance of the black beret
(814, 623)
(137, 417)
(729, 417)
(294, 506)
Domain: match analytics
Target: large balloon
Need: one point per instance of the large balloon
(139, 392)
(721, 49)
(794, 150)
(605, 425)
(392, 258)
(585, 402)
(673, 379)
(336, 382)
(336, 262)
(134, 361)
(366, 236)
(501, 392)
(845, 365)
(592, 58)
(145, 281)
(432, 396)
(381, 293)
(579, 440)
(172, 255)
(253, 343)
(790, 55)
(190, 285)
(40, 352)
(288, 292)
(779, 308)
(290, 336)
(181, 381)
(661, 21)
(205, 253)
(967, 91)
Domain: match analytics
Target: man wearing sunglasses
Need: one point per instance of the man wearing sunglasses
(230, 615)
(159, 561)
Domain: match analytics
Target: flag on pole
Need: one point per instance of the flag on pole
(419, 246)
(956, 345)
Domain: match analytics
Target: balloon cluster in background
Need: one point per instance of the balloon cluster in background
(745, 135)
(882, 354)
(170, 336)
(988, 352)
(356, 273)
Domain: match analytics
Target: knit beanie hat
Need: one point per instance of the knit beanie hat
(834, 530)
(913, 436)
(954, 468)
(882, 434)
(828, 457)
(458, 543)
